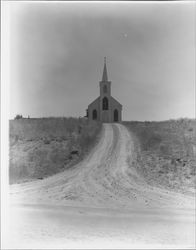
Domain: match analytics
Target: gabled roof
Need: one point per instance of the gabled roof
(116, 101)
(96, 100)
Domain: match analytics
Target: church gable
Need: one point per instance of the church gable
(95, 102)
(115, 102)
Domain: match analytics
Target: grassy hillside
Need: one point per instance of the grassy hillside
(45, 146)
(166, 152)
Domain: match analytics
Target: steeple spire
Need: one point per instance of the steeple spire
(105, 75)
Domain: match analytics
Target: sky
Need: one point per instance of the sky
(57, 52)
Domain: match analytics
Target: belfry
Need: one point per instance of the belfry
(105, 108)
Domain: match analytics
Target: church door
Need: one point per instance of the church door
(115, 115)
(94, 114)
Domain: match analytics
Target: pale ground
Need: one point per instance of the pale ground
(101, 202)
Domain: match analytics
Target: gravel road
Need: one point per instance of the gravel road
(100, 202)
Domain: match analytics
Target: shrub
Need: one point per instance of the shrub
(18, 117)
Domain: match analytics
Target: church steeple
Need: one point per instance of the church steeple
(105, 75)
(105, 85)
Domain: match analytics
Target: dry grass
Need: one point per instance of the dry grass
(45, 146)
(166, 152)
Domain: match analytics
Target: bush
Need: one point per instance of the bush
(18, 117)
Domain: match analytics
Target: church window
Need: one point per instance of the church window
(94, 114)
(105, 103)
(105, 89)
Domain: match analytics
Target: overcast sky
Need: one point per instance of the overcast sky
(57, 52)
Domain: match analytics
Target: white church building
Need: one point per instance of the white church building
(105, 108)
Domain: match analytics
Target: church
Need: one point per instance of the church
(105, 108)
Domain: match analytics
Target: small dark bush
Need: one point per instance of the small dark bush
(46, 141)
(18, 117)
(74, 152)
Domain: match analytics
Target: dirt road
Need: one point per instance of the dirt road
(101, 199)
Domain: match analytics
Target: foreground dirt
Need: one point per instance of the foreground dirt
(66, 227)
(103, 198)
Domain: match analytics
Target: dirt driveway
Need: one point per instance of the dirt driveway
(102, 201)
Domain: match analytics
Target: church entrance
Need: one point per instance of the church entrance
(94, 114)
(105, 116)
(115, 115)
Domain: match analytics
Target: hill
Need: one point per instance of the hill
(44, 146)
(166, 152)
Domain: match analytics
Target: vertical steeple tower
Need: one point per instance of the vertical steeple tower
(105, 85)
(105, 75)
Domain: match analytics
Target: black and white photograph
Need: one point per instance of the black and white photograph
(98, 125)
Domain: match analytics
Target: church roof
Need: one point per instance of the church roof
(96, 100)
(105, 75)
(114, 100)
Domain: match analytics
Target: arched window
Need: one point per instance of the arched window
(105, 89)
(105, 103)
(115, 115)
(94, 114)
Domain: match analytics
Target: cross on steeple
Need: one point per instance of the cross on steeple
(105, 75)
